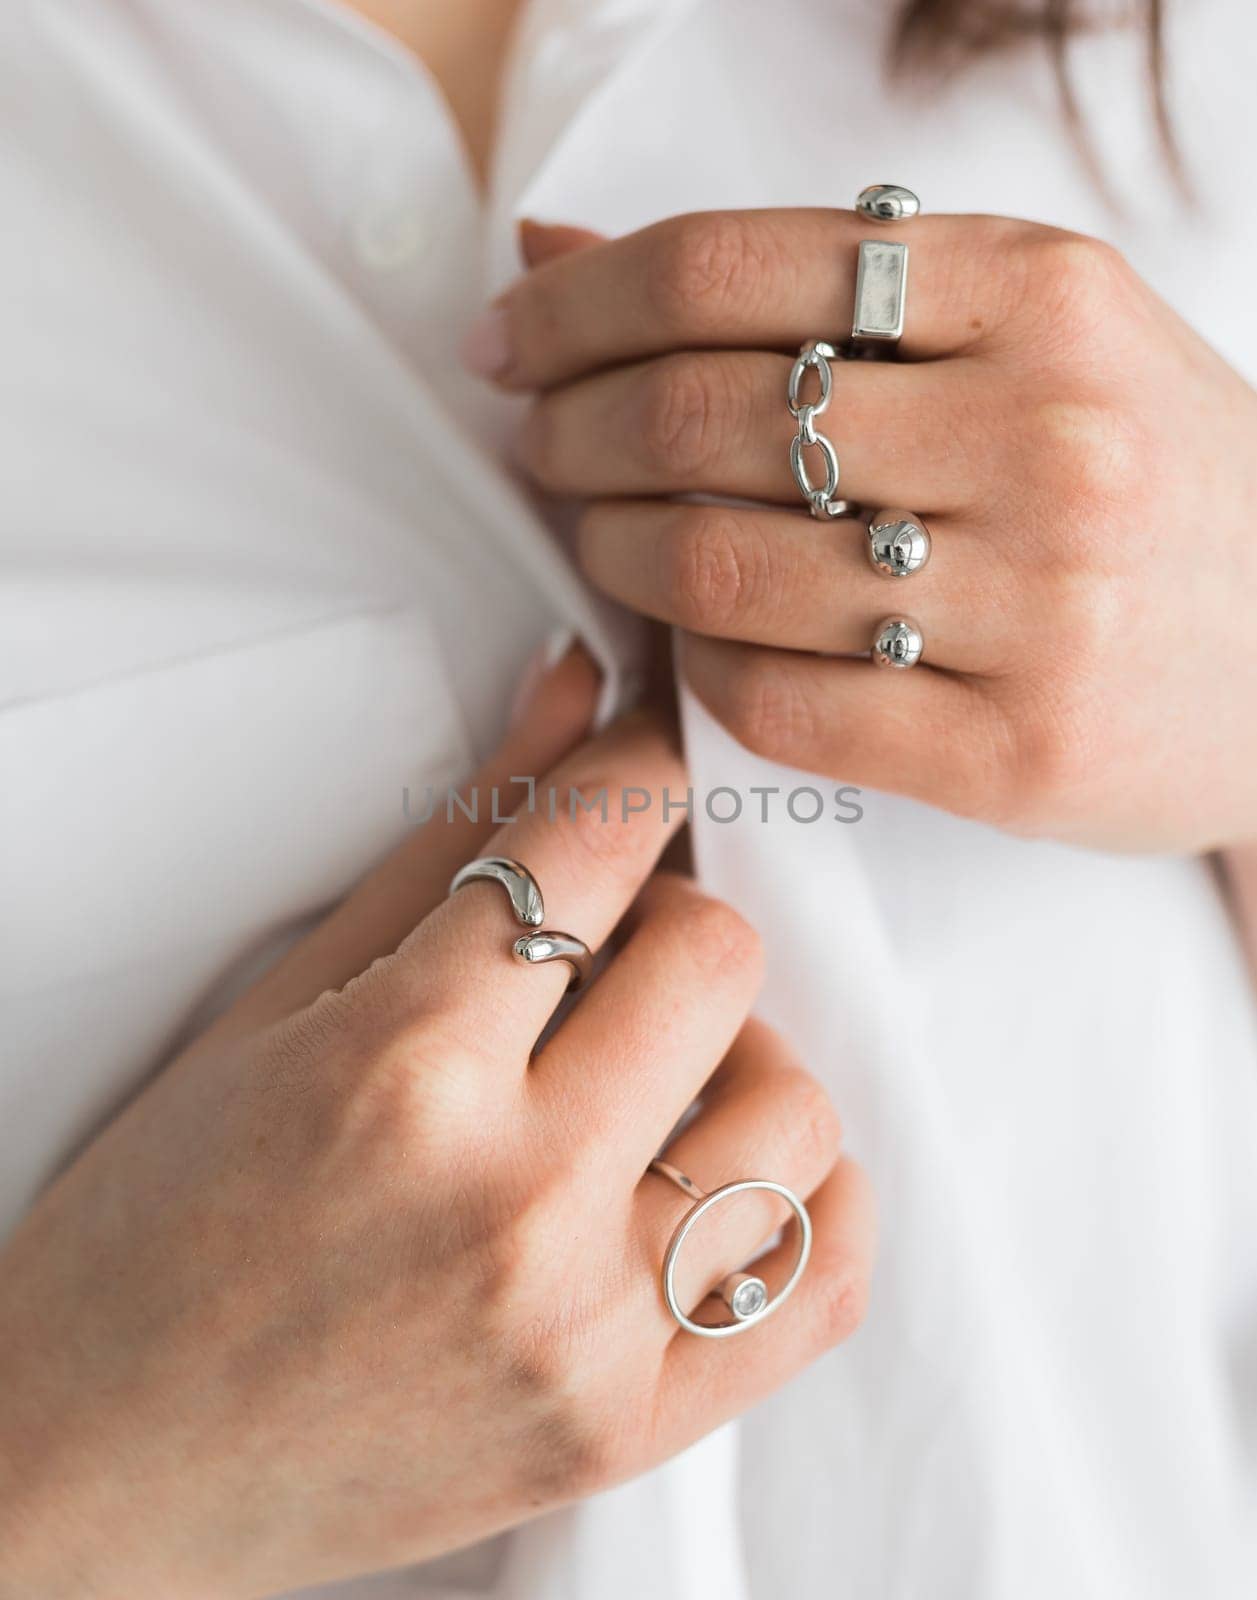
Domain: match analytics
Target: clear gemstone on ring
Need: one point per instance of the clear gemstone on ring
(749, 1298)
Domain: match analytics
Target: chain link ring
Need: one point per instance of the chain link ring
(822, 499)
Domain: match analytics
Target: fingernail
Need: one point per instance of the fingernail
(531, 235)
(486, 347)
(539, 240)
(539, 666)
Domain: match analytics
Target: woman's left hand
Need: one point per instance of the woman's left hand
(1085, 462)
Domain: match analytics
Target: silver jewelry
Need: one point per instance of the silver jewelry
(528, 908)
(898, 643)
(881, 289)
(745, 1295)
(822, 501)
(899, 543)
(881, 282)
(887, 202)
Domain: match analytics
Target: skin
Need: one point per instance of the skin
(365, 1275)
(464, 47)
(1080, 680)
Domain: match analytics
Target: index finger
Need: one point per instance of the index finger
(591, 836)
(744, 279)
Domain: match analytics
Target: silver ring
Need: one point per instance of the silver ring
(528, 908)
(822, 499)
(887, 202)
(745, 1295)
(898, 643)
(881, 280)
(899, 543)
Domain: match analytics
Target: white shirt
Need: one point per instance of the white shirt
(253, 518)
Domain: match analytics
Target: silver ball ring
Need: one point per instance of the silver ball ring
(899, 543)
(898, 643)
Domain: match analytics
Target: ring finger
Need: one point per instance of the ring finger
(762, 1116)
(770, 577)
(717, 423)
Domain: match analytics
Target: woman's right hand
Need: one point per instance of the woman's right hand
(364, 1276)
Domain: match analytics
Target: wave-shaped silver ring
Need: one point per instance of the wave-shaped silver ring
(528, 907)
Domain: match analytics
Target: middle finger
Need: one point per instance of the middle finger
(717, 423)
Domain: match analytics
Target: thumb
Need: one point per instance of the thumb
(540, 242)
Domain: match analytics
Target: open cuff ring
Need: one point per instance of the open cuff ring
(745, 1295)
(899, 543)
(524, 893)
(881, 274)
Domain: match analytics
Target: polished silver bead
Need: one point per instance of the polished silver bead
(898, 643)
(887, 202)
(899, 543)
(551, 945)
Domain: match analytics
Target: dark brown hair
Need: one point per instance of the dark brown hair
(945, 34)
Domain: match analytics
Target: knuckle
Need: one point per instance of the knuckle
(1054, 753)
(985, 785)
(516, 1324)
(981, 273)
(841, 1302)
(767, 710)
(1067, 264)
(1095, 457)
(421, 1084)
(301, 1043)
(1088, 615)
(812, 1116)
(715, 573)
(597, 822)
(405, 1105)
(1073, 281)
(719, 938)
(706, 262)
(681, 416)
(375, 1078)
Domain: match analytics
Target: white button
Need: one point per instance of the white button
(388, 239)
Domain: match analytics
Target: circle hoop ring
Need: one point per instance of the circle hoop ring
(725, 1330)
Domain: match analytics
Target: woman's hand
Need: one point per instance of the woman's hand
(1087, 466)
(360, 1278)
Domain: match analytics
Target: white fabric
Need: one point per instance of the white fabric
(262, 570)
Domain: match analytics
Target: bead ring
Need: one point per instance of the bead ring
(898, 643)
(899, 543)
